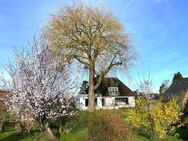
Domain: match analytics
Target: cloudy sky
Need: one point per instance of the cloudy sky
(158, 30)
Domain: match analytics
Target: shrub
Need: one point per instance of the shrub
(106, 126)
(157, 119)
(5, 117)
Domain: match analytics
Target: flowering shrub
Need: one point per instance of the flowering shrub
(156, 118)
(40, 86)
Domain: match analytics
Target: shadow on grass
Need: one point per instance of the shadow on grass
(183, 131)
(143, 134)
(11, 135)
(14, 137)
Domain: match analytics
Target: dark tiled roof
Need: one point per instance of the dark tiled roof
(114, 82)
(177, 88)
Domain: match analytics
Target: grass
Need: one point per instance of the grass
(75, 136)
(78, 135)
(169, 138)
(12, 136)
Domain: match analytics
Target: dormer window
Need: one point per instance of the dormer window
(113, 91)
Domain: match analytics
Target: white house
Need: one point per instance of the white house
(111, 94)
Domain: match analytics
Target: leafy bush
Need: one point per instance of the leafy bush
(5, 117)
(185, 113)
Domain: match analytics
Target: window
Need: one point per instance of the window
(103, 102)
(126, 100)
(86, 102)
(113, 91)
(121, 101)
(95, 101)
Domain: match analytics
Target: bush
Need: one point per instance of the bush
(4, 117)
(158, 119)
(106, 125)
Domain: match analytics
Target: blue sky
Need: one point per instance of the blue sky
(158, 30)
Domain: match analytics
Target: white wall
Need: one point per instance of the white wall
(131, 100)
(99, 102)
(109, 102)
(82, 103)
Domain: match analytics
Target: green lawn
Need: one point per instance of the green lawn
(79, 135)
(12, 136)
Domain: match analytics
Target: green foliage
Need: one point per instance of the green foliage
(185, 115)
(161, 88)
(6, 116)
(84, 87)
(185, 112)
(177, 76)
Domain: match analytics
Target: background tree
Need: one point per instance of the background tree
(40, 86)
(84, 87)
(93, 37)
(164, 86)
(177, 76)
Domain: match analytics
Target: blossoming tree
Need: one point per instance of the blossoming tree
(40, 85)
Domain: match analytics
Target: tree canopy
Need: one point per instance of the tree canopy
(177, 76)
(92, 36)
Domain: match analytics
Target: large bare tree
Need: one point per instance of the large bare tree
(92, 36)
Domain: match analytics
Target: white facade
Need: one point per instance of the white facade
(108, 102)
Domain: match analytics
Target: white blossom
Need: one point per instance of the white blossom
(40, 84)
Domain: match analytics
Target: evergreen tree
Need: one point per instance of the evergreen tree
(177, 76)
(84, 87)
(164, 86)
(161, 89)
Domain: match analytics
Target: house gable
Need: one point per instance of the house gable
(111, 94)
(112, 82)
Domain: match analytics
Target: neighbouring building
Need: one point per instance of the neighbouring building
(111, 94)
(150, 96)
(178, 90)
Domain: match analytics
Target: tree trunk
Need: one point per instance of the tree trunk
(47, 131)
(61, 125)
(19, 127)
(91, 104)
(1, 125)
